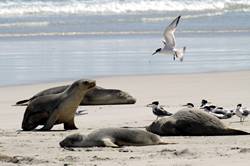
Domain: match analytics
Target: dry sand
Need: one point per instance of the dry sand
(42, 148)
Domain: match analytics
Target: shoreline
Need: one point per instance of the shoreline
(117, 76)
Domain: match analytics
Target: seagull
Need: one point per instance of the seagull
(169, 42)
(212, 108)
(218, 112)
(158, 110)
(241, 113)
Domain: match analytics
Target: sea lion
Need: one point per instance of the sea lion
(112, 137)
(191, 122)
(96, 96)
(56, 108)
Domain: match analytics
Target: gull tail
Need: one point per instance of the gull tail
(180, 53)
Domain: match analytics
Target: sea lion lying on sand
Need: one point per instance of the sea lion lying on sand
(191, 122)
(96, 96)
(113, 137)
(56, 108)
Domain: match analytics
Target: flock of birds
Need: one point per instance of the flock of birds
(169, 48)
(216, 111)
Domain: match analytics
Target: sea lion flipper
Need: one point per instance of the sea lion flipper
(70, 125)
(108, 142)
(166, 143)
(22, 102)
(50, 122)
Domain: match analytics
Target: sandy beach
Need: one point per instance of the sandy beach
(42, 148)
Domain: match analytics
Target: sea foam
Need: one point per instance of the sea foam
(48, 7)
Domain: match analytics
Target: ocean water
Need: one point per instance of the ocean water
(51, 40)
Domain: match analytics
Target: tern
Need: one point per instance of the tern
(158, 110)
(204, 103)
(242, 113)
(189, 105)
(169, 42)
(218, 112)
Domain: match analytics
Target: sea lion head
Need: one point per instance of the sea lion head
(123, 97)
(81, 85)
(74, 140)
(108, 96)
(84, 84)
(163, 126)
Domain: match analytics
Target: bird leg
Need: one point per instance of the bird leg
(175, 55)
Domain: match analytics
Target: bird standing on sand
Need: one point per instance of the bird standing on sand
(241, 113)
(169, 43)
(158, 110)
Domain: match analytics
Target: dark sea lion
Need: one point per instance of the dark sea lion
(113, 137)
(52, 109)
(191, 122)
(96, 96)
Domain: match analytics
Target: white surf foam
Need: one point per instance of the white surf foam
(31, 7)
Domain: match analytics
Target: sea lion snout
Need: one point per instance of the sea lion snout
(84, 83)
(92, 84)
(124, 97)
(130, 99)
(72, 140)
(88, 83)
(61, 144)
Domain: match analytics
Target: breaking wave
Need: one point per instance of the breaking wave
(51, 7)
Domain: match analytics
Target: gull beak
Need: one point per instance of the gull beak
(158, 50)
(154, 53)
(149, 105)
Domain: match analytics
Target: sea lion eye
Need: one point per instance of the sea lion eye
(85, 82)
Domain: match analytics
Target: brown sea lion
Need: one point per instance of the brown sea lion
(58, 108)
(191, 122)
(96, 96)
(113, 137)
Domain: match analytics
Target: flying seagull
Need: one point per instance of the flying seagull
(169, 42)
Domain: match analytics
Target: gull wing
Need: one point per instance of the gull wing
(169, 33)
